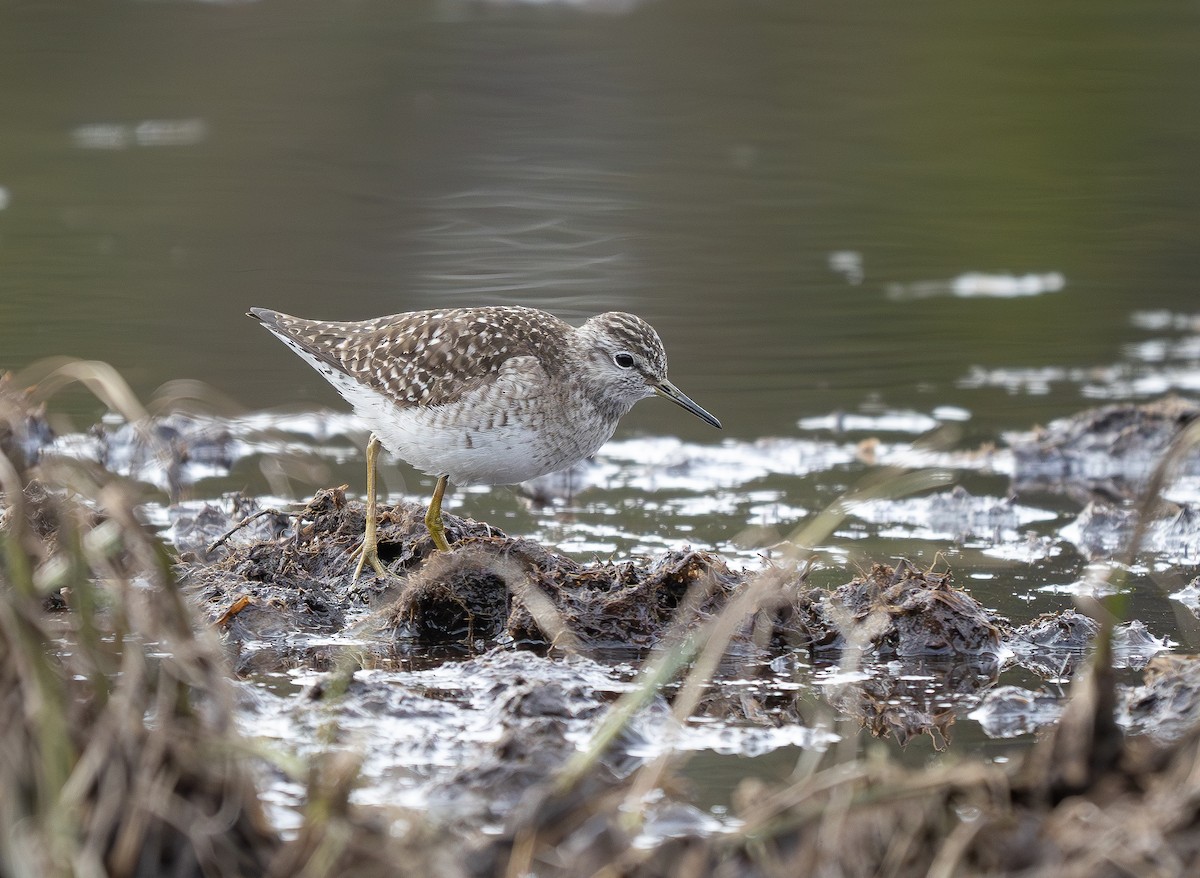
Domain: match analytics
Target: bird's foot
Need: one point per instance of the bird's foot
(369, 554)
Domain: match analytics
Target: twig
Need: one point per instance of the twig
(220, 541)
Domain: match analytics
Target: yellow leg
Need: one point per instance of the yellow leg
(368, 553)
(433, 518)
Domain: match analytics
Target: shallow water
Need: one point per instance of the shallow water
(847, 223)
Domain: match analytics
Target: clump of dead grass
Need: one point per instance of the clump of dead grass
(118, 752)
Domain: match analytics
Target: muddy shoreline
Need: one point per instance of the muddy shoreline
(504, 708)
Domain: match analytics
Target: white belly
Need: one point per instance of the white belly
(500, 455)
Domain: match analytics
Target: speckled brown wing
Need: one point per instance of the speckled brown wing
(424, 358)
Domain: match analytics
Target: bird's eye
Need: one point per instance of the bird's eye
(625, 361)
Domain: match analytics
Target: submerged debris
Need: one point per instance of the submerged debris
(1167, 704)
(1133, 646)
(1109, 451)
(1189, 596)
(955, 514)
(1103, 530)
(1009, 711)
(912, 697)
(1058, 632)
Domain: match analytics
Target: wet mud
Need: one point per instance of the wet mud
(492, 589)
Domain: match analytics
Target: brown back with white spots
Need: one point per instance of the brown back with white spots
(427, 358)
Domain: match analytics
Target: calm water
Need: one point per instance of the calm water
(789, 192)
(166, 165)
